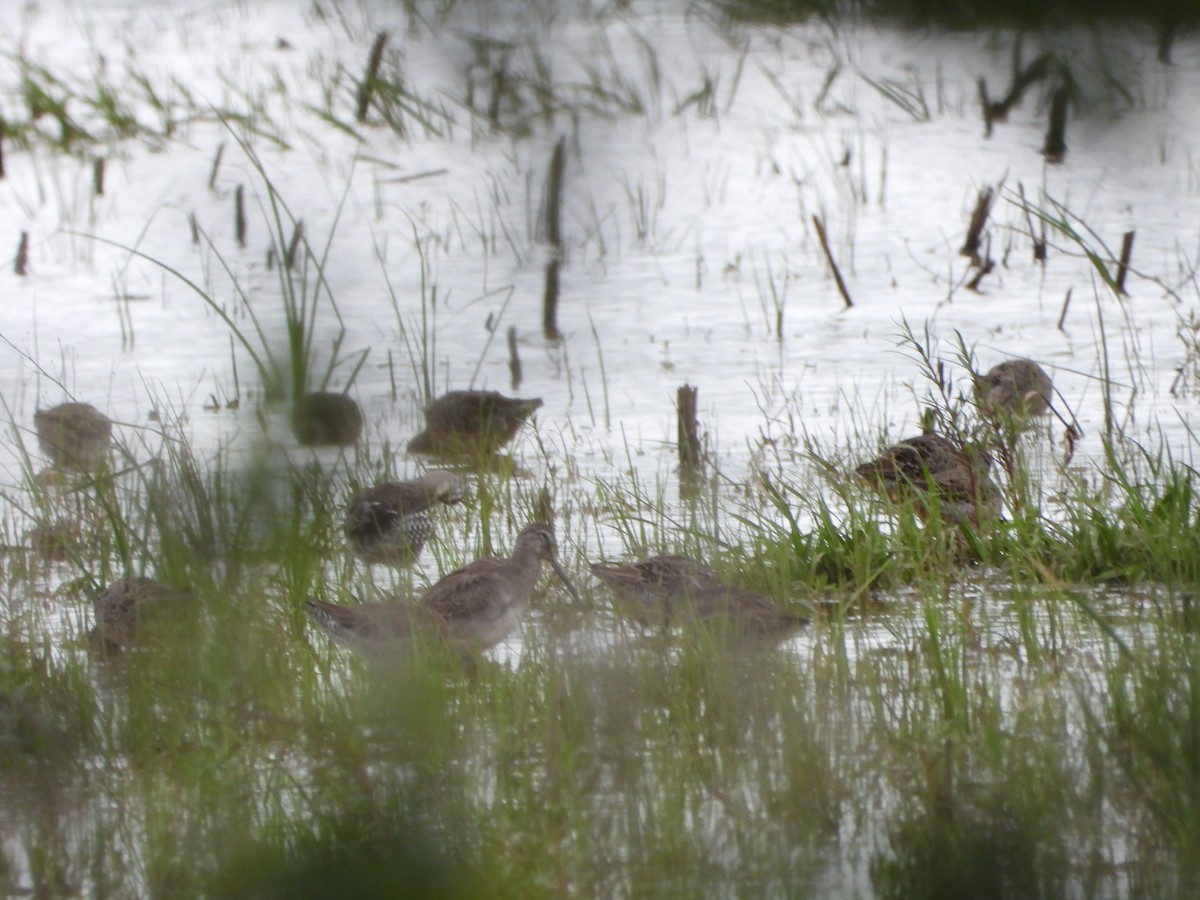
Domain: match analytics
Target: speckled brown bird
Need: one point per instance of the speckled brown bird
(390, 523)
(123, 609)
(666, 590)
(374, 622)
(472, 608)
(74, 436)
(466, 424)
(1019, 388)
(930, 465)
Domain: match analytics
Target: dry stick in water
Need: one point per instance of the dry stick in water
(1123, 263)
(833, 267)
(554, 190)
(983, 206)
(367, 87)
(550, 302)
(98, 177)
(514, 359)
(21, 263)
(1039, 243)
(212, 174)
(1062, 317)
(1055, 147)
(294, 244)
(239, 215)
(1167, 27)
(689, 441)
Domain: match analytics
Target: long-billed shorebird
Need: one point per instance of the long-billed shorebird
(666, 590)
(468, 424)
(390, 523)
(932, 469)
(1018, 388)
(74, 435)
(472, 608)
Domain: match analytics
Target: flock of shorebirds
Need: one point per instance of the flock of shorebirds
(477, 606)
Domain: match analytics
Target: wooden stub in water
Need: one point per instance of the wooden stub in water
(553, 234)
(1055, 148)
(550, 302)
(689, 429)
(21, 263)
(1123, 262)
(979, 217)
(239, 215)
(514, 358)
(554, 190)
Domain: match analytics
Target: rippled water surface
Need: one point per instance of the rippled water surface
(697, 156)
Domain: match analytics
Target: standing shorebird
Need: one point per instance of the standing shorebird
(930, 467)
(326, 419)
(663, 590)
(472, 608)
(389, 524)
(74, 435)
(471, 423)
(1018, 388)
(124, 608)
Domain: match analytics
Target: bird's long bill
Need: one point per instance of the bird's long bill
(562, 574)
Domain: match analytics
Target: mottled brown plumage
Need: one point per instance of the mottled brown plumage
(483, 601)
(1018, 388)
(125, 608)
(472, 608)
(932, 465)
(74, 436)
(373, 622)
(466, 424)
(665, 590)
(390, 523)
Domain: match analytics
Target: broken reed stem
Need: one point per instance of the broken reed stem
(195, 227)
(543, 506)
(554, 189)
(1055, 148)
(1123, 262)
(1167, 27)
(689, 440)
(21, 263)
(514, 358)
(550, 302)
(392, 375)
(1, 148)
(1039, 243)
(239, 215)
(367, 86)
(216, 166)
(499, 89)
(833, 266)
(294, 245)
(1062, 316)
(979, 217)
(98, 177)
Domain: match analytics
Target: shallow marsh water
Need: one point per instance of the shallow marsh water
(697, 155)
